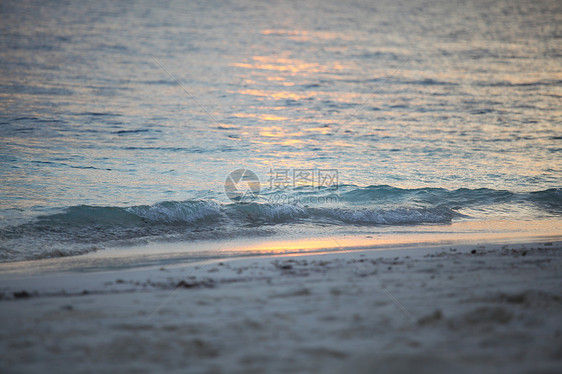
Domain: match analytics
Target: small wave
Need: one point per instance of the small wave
(56, 164)
(125, 132)
(267, 213)
(177, 212)
(99, 114)
(185, 212)
(429, 195)
(430, 82)
(400, 216)
(550, 200)
(548, 82)
(81, 229)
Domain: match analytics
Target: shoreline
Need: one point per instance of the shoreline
(75, 283)
(162, 253)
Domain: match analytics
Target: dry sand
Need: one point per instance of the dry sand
(492, 309)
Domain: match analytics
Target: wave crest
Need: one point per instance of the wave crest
(81, 229)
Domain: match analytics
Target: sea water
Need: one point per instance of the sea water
(120, 122)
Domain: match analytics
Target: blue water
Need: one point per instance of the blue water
(120, 122)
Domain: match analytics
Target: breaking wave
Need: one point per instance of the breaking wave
(81, 229)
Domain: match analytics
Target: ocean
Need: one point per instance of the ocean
(124, 124)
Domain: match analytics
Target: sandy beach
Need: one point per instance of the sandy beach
(464, 308)
(281, 187)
